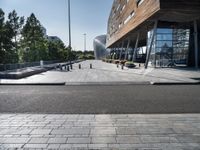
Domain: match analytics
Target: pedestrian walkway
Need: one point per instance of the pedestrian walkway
(116, 132)
(102, 72)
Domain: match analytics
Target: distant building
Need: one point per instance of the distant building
(44, 31)
(169, 29)
(99, 44)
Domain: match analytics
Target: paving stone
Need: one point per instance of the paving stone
(15, 131)
(79, 140)
(81, 146)
(153, 139)
(103, 131)
(53, 146)
(35, 146)
(97, 146)
(41, 131)
(128, 139)
(14, 140)
(73, 131)
(9, 146)
(38, 141)
(126, 131)
(103, 140)
(57, 140)
(65, 146)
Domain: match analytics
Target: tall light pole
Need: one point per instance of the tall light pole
(84, 43)
(69, 24)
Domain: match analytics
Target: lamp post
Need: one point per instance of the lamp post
(84, 43)
(69, 25)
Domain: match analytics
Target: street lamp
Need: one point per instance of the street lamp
(84, 42)
(69, 24)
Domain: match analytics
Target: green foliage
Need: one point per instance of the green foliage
(21, 42)
(87, 55)
(33, 43)
(7, 54)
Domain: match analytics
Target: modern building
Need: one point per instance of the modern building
(167, 31)
(99, 44)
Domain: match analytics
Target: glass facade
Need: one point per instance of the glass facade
(99, 44)
(170, 47)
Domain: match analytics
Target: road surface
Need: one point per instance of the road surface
(116, 99)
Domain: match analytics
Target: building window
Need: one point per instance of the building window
(132, 14)
(118, 7)
(139, 2)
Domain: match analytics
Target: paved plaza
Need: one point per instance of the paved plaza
(104, 72)
(106, 117)
(114, 132)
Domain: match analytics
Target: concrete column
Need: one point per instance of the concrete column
(151, 44)
(196, 45)
(127, 48)
(136, 46)
(121, 50)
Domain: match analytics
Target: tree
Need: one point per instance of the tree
(34, 46)
(16, 23)
(2, 51)
(6, 44)
(57, 50)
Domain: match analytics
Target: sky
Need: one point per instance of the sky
(87, 16)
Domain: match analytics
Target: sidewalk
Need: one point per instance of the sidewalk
(109, 73)
(118, 132)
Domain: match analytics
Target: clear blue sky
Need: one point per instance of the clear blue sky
(88, 16)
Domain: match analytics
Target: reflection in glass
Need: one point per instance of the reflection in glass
(100, 50)
(170, 47)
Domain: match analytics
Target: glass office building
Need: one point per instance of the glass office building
(99, 44)
(170, 47)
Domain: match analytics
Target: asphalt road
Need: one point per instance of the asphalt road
(100, 99)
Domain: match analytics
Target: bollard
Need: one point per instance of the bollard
(60, 67)
(65, 67)
(122, 67)
(68, 68)
(71, 66)
(79, 66)
(90, 66)
(139, 65)
(117, 65)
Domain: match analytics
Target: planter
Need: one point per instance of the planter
(130, 65)
(122, 62)
(115, 61)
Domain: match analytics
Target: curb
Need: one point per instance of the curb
(105, 83)
(34, 84)
(175, 83)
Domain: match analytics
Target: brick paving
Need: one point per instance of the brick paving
(109, 132)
